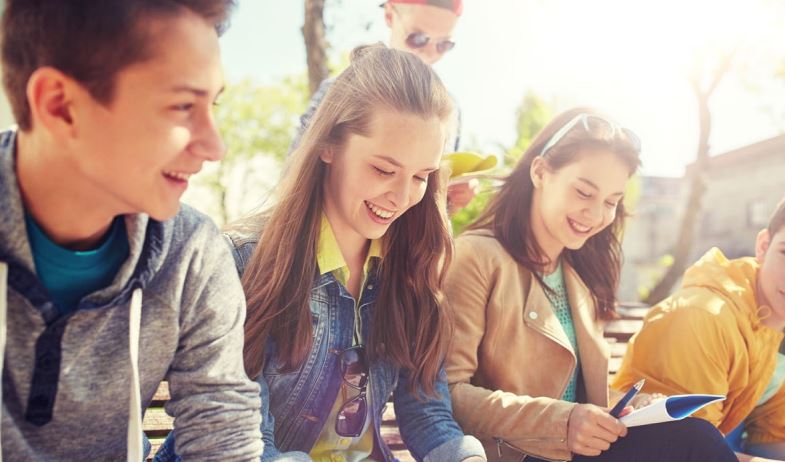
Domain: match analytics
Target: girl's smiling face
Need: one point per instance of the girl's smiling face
(577, 201)
(375, 179)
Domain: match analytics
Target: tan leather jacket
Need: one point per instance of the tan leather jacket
(510, 360)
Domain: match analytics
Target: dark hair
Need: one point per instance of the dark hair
(598, 261)
(777, 220)
(411, 328)
(88, 40)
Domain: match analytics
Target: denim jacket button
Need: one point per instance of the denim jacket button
(533, 314)
(370, 286)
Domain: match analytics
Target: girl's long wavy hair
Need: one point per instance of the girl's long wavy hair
(411, 327)
(598, 261)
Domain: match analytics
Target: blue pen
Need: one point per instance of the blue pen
(626, 398)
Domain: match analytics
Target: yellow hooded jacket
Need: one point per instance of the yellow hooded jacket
(708, 338)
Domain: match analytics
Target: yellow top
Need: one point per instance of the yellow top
(708, 338)
(330, 447)
(329, 256)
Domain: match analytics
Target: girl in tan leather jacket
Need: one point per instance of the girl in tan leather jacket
(531, 284)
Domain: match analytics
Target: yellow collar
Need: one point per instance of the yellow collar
(329, 256)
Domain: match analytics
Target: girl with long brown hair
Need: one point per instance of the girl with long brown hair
(343, 275)
(532, 282)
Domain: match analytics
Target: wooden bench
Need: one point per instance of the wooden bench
(618, 332)
(157, 424)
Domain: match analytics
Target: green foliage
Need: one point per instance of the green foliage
(632, 194)
(340, 63)
(652, 273)
(262, 120)
(531, 116)
(471, 212)
(257, 123)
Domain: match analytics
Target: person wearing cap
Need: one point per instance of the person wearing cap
(424, 28)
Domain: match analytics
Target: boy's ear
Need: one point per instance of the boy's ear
(388, 14)
(762, 242)
(537, 171)
(50, 97)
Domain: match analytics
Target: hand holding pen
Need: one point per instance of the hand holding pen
(591, 430)
(619, 407)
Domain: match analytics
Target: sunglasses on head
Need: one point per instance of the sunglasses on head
(417, 40)
(354, 372)
(587, 121)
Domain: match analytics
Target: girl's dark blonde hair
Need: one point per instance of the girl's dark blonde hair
(598, 261)
(410, 325)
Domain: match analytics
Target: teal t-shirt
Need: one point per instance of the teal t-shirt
(777, 380)
(561, 308)
(69, 275)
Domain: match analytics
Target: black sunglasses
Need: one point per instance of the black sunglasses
(417, 40)
(354, 372)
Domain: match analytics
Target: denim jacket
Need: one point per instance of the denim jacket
(296, 404)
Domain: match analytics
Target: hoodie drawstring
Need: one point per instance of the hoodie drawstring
(135, 406)
(3, 310)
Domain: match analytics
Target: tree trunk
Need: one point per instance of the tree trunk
(697, 177)
(315, 43)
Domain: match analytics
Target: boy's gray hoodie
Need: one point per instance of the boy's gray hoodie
(69, 382)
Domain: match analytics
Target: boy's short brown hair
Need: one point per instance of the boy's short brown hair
(88, 40)
(777, 220)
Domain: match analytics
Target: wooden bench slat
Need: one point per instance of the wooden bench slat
(618, 349)
(157, 423)
(637, 313)
(403, 456)
(156, 444)
(622, 329)
(161, 395)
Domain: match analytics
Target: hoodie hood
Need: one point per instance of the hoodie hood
(733, 280)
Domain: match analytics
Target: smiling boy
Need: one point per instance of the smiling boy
(112, 285)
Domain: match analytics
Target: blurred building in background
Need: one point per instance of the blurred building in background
(650, 233)
(743, 186)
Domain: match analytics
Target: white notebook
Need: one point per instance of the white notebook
(674, 407)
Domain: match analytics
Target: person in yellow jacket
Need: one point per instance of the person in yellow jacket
(720, 333)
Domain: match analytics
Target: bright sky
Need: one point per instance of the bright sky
(630, 58)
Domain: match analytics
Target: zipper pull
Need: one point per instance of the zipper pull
(499, 447)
